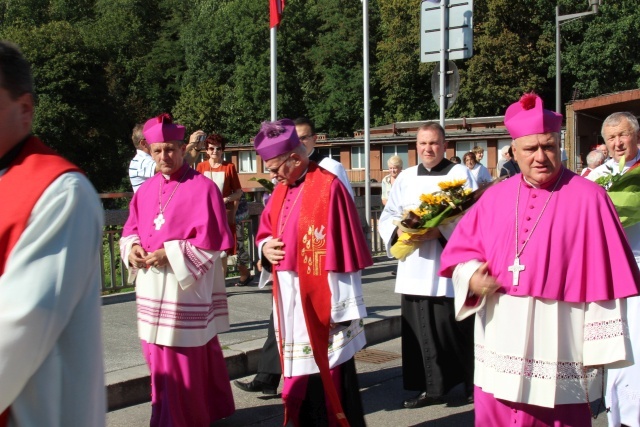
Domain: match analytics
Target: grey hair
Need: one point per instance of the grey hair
(595, 158)
(615, 119)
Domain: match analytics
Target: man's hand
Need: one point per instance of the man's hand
(157, 258)
(481, 284)
(137, 257)
(273, 251)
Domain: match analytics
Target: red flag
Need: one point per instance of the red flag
(276, 7)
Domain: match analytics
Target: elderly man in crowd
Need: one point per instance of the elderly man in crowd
(621, 133)
(604, 150)
(510, 167)
(314, 253)
(171, 244)
(547, 316)
(594, 159)
(51, 369)
(437, 351)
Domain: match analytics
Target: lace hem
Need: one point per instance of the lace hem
(532, 368)
(603, 330)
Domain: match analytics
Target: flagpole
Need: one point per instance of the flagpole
(367, 145)
(274, 75)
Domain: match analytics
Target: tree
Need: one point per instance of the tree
(73, 112)
(600, 53)
(404, 80)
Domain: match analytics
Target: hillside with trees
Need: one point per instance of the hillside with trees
(100, 66)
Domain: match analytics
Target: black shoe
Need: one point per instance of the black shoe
(255, 386)
(421, 400)
(468, 392)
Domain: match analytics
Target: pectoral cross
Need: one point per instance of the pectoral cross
(516, 268)
(159, 221)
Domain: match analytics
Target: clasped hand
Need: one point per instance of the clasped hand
(481, 283)
(140, 258)
(273, 250)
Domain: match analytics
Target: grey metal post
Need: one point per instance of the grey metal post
(367, 145)
(274, 75)
(443, 59)
(593, 4)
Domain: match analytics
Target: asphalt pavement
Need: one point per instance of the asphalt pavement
(378, 365)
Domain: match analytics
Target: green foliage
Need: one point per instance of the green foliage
(600, 53)
(101, 66)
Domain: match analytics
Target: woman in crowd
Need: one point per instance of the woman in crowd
(479, 172)
(394, 164)
(225, 175)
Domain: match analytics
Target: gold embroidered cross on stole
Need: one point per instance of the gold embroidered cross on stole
(314, 248)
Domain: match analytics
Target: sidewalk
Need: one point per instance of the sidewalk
(127, 376)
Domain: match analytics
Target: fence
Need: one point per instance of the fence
(114, 273)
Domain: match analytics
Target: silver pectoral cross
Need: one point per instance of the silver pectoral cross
(159, 221)
(516, 268)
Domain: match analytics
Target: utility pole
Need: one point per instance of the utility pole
(593, 5)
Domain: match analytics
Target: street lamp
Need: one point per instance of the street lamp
(593, 5)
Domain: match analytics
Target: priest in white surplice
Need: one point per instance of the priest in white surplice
(437, 351)
(171, 244)
(51, 369)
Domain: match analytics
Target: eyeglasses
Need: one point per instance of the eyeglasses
(215, 149)
(276, 171)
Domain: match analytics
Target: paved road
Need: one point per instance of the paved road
(381, 383)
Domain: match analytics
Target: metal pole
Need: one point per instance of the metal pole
(558, 60)
(274, 75)
(443, 59)
(367, 147)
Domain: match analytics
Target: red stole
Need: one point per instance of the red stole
(28, 176)
(314, 290)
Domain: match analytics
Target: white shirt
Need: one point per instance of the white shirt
(141, 168)
(481, 174)
(51, 368)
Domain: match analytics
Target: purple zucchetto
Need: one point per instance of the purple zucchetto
(162, 129)
(528, 117)
(276, 138)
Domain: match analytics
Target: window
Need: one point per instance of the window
(332, 153)
(389, 151)
(463, 147)
(226, 156)
(357, 157)
(247, 161)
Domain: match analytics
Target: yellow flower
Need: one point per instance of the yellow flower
(450, 185)
(429, 199)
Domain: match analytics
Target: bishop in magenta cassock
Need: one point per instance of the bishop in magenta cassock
(171, 244)
(313, 248)
(548, 290)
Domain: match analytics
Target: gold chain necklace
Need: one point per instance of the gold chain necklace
(159, 220)
(516, 268)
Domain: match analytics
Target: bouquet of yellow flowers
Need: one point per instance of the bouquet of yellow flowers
(434, 209)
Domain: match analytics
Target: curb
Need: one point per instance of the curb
(132, 386)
